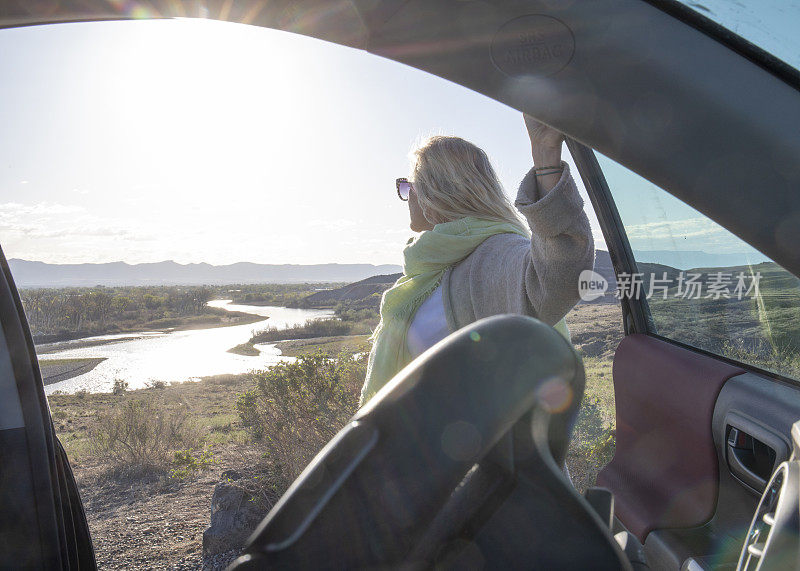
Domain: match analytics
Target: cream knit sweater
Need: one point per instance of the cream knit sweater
(509, 274)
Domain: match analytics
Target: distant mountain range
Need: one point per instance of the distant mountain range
(691, 259)
(29, 274)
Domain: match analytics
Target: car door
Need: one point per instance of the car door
(42, 522)
(706, 379)
(702, 419)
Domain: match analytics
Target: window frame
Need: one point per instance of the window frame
(636, 315)
(730, 39)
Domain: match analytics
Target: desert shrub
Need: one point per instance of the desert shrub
(294, 408)
(314, 328)
(186, 462)
(591, 434)
(143, 433)
(592, 444)
(120, 386)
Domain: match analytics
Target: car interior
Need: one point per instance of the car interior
(438, 470)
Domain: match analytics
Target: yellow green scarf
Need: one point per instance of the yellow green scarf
(425, 259)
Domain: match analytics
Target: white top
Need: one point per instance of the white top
(428, 326)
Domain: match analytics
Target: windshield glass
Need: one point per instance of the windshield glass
(705, 287)
(769, 24)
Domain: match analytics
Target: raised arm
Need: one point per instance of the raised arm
(561, 244)
(509, 274)
(546, 145)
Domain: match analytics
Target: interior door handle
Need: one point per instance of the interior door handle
(742, 472)
(740, 459)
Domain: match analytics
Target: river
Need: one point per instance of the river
(180, 355)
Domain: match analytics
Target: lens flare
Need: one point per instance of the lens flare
(555, 395)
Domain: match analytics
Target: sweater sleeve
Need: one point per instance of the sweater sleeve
(561, 245)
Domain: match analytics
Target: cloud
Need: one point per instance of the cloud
(698, 233)
(62, 232)
(37, 231)
(688, 227)
(43, 220)
(18, 209)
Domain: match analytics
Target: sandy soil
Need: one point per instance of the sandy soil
(152, 521)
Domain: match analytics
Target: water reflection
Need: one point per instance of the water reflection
(181, 355)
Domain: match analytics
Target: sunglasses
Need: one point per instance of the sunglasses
(403, 188)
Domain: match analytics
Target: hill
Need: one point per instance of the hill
(352, 292)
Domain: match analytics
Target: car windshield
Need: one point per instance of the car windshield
(769, 24)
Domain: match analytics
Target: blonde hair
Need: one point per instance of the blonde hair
(453, 178)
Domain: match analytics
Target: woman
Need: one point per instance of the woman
(475, 256)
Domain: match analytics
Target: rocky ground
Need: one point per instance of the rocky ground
(151, 521)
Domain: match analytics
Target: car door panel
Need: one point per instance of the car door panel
(41, 518)
(29, 517)
(678, 486)
(770, 408)
(664, 472)
(765, 407)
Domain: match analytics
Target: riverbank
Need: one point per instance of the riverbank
(333, 345)
(154, 516)
(57, 370)
(79, 341)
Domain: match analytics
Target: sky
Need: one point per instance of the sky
(200, 141)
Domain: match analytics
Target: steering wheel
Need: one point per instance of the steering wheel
(454, 462)
(773, 539)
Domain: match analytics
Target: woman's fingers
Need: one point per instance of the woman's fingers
(542, 135)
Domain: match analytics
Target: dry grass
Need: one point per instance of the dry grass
(596, 332)
(143, 433)
(210, 403)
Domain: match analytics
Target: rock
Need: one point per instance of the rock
(235, 513)
(593, 348)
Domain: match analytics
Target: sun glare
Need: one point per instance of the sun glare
(205, 141)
